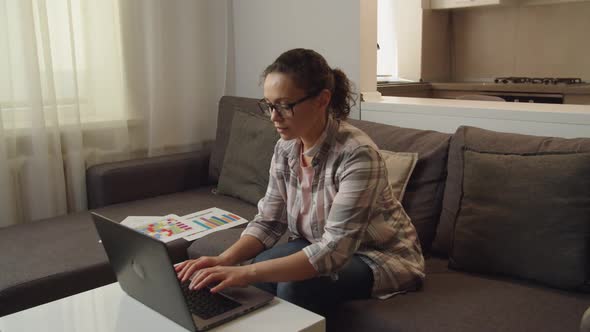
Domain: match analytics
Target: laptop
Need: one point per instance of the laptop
(145, 272)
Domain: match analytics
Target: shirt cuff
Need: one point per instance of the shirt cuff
(262, 236)
(318, 255)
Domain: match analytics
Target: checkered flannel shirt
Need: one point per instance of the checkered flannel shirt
(354, 211)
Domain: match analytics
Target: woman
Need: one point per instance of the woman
(328, 186)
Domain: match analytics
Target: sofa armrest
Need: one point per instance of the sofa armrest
(131, 180)
(585, 323)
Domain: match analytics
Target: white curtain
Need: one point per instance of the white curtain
(175, 56)
(84, 82)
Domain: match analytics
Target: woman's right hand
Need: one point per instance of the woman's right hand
(188, 268)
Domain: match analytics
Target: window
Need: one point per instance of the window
(386, 41)
(60, 56)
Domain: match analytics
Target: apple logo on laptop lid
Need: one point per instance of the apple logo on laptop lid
(138, 269)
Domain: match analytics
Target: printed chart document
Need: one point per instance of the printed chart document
(165, 229)
(190, 227)
(210, 221)
(133, 221)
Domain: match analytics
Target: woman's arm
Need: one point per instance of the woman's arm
(245, 248)
(262, 232)
(290, 268)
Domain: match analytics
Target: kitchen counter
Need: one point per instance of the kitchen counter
(408, 85)
(501, 87)
(480, 86)
(423, 90)
(432, 103)
(446, 115)
(562, 93)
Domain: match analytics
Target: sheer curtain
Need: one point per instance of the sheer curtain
(85, 82)
(61, 71)
(175, 58)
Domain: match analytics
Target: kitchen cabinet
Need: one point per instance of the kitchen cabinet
(450, 4)
(545, 2)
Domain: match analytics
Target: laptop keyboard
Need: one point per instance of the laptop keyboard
(205, 304)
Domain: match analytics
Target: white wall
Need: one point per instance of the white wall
(263, 29)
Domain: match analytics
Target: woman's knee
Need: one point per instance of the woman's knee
(306, 294)
(290, 290)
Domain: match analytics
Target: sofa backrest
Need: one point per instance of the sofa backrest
(488, 141)
(227, 106)
(423, 198)
(424, 193)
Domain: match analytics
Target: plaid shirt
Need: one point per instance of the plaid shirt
(354, 211)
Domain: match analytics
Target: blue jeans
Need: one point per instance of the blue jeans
(355, 281)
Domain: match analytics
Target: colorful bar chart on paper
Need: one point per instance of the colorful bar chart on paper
(166, 229)
(211, 220)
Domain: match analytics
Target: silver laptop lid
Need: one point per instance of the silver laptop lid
(144, 270)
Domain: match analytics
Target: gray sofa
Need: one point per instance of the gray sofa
(59, 257)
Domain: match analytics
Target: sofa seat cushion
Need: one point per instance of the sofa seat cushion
(181, 204)
(455, 302)
(50, 259)
(437, 265)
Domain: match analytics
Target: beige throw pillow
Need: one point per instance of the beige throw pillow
(400, 166)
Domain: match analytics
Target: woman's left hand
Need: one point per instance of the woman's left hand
(225, 276)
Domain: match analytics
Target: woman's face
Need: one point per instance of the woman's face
(279, 88)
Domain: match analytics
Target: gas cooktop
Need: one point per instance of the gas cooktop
(538, 80)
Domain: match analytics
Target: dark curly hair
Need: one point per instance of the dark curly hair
(311, 73)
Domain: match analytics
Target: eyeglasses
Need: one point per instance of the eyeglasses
(285, 109)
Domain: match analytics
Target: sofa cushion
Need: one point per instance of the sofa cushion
(227, 106)
(456, 302)
(400, 166)
(124, 181)
(59, 257)
(214, 243)
(488, 141)
(526, 216)
(49, 259)
(422, 200)
(244, 174)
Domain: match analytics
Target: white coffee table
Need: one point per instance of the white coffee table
(109, 309)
